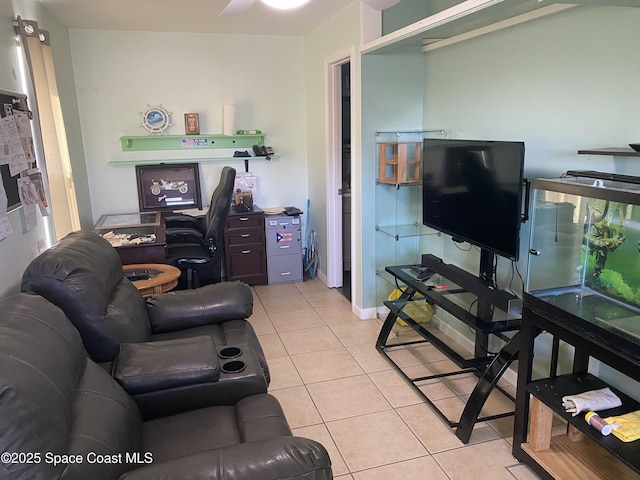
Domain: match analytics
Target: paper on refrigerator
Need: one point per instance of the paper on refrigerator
(12, 152)
(5, 224)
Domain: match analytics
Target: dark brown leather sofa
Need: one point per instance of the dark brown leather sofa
(82, 275)
(64, 417)
(151, 339)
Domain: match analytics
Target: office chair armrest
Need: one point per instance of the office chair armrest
(184, 235)
(206, 305)
(178, 220)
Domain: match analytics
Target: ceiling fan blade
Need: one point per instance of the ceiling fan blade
(380, 4)
(237, 6)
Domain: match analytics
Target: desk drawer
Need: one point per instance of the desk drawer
(248, 265)
(245, 222)
(244, 237)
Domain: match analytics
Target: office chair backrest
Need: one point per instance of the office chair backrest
(219, 208)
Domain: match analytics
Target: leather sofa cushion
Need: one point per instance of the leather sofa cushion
(54, 399)
(40, 366)
(155, 366)
(105, 420)
(258, 417)
(82, 274)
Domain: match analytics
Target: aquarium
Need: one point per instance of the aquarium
(584, 257)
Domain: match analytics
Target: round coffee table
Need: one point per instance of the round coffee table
(162, 277)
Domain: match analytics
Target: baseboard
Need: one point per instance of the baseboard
(364, 313)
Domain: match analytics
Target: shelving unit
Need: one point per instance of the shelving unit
(568, 297)
(189, 142)
(472, 18)
(611, 151)
(400, 235)
(190, 147)
(582, 452)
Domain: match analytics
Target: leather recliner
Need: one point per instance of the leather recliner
(82, 274)
(62, 417)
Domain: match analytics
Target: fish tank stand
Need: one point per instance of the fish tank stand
(583, 288)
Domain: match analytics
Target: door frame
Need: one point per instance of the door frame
(333, 142)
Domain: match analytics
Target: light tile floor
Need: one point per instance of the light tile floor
(336, 388)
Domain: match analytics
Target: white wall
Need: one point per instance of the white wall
(118, 73)
(562, 83)
(17, 250)
(338, 35)
(392, 91)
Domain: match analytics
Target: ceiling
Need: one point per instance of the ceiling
(198, 16)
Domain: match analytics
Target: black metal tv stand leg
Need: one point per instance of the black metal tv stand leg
(387, 326)
(483, 388)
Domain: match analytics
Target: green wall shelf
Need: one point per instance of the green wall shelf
(184, 160)
(189, 142)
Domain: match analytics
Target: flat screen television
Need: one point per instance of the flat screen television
(472, 191)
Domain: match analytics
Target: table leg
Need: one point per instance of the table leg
(485, 385)
(385, 331)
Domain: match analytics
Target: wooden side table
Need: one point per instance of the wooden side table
(162, 277)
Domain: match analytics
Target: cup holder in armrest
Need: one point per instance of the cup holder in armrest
(234, 366)
(230, 352)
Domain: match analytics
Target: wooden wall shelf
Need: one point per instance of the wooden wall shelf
(142, 161)
(189, 142)
(612, 151)
(191, 147)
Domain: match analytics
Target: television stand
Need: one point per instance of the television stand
(488, 367)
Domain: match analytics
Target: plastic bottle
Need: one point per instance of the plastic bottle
(597, 422)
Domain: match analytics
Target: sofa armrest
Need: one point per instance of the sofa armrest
(206, 305)
(271, 459)
(155, 366)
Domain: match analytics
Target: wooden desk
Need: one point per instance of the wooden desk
(162, 277)
(151, 252)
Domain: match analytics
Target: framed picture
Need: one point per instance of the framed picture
(168, 186)
(191, 124)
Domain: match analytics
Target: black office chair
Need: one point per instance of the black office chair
(196, 244)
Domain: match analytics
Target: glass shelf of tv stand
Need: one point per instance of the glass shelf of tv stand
(408, 230)
(401, 244)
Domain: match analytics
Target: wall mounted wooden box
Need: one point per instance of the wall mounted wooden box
(400, 162)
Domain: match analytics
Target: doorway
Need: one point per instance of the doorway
(345, 120)
(338, 115)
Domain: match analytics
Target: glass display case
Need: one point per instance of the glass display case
(585, 252)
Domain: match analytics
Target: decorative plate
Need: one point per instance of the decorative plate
(155, 119)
